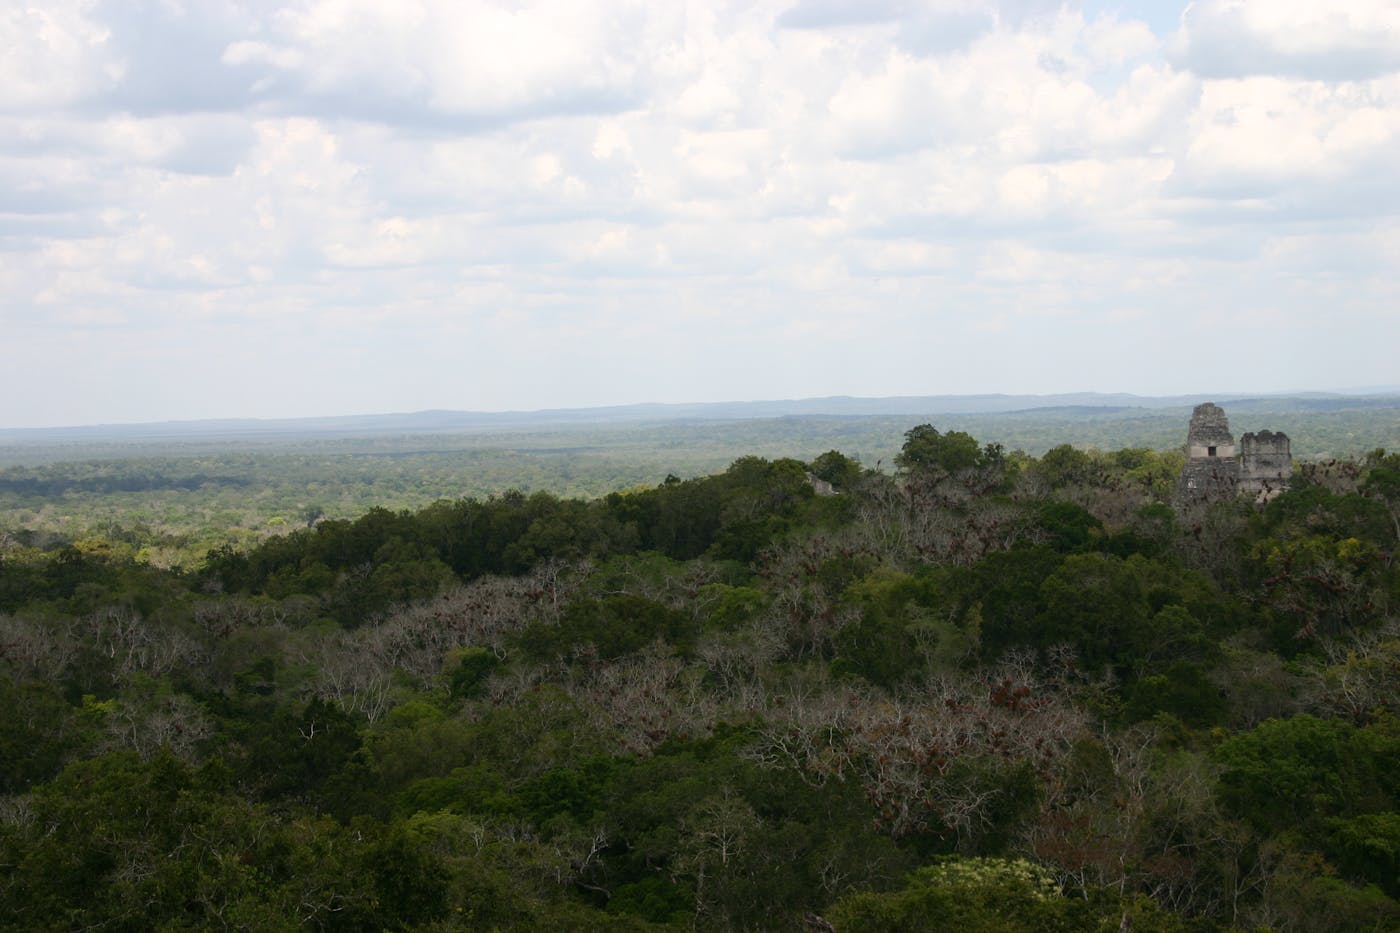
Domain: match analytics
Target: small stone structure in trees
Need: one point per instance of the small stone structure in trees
(1216, 468)
(1266, 464)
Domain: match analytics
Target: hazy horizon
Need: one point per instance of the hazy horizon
(858, 406)
(336, 207)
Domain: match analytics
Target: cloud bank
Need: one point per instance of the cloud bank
(333, 206)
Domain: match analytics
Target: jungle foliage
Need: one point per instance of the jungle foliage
(167, 497)
(989, 692)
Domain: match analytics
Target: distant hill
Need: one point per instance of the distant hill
(1069, 405)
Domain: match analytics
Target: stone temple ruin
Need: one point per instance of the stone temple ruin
(1216, 469)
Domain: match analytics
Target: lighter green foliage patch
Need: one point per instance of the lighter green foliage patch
(1035, 880)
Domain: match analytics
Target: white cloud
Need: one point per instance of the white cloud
(1355, 40)
(1307, 148)
(51, 55)
(496, 204)
(482, 61)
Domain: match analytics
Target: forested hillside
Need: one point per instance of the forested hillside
(987, 692)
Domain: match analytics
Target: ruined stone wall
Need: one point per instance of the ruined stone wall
(1212, 470)
(1266, 464)
(1208, 479)
(1210, 428)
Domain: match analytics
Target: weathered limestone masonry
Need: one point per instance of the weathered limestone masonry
(1211, 470)
(1266, 463)
(1215, 470)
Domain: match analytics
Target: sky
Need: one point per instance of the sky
(256, 209)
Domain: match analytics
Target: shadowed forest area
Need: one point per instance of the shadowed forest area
(977, 689)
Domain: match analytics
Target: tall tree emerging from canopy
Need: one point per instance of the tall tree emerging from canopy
(925, 448)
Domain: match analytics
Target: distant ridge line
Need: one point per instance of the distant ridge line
(431, 421)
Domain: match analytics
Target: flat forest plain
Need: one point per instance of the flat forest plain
(172, 495)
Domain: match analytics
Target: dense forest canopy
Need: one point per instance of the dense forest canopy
(171, 497)
(987, 691)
